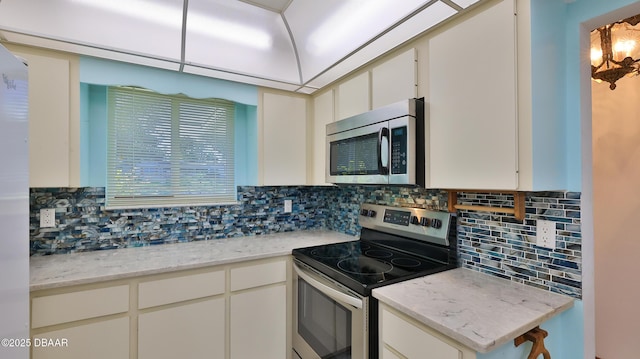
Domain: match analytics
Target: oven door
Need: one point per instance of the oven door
(329, 321)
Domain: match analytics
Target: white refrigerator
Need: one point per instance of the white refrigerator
(14, 208)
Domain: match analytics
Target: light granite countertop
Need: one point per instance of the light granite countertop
(475, 309)
(478, 310)
(62, 270)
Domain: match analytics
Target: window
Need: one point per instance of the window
(167, 150)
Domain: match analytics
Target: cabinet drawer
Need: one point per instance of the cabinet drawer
(69, 307)
(178, 289)
(258, 275)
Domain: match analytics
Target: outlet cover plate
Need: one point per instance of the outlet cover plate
(288, 206)
(47, 217)
(546, 234)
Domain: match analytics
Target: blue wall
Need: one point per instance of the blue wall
(548, 124)
(581, 16)
(106, 72)
(564, 340)
(561, 80)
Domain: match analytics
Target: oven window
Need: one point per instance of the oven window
(323, 323)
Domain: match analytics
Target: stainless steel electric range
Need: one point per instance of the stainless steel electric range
(335, 315)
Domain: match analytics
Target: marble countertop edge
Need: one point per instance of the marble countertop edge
(65, 270)
(405, 295)
(52, 284)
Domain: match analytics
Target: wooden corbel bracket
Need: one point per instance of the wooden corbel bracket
(518, 209)
(536, 336)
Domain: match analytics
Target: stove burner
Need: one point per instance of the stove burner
(328, 253)
(406, 262)
(378, 253)
(364, 266)
(331, 252)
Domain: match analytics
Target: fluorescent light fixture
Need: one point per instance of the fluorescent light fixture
(229, 31)
(354, 16)
(171, 16)
(140, 9)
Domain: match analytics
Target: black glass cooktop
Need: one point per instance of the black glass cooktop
(363, 265)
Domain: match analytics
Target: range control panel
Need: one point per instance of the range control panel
(416, 223)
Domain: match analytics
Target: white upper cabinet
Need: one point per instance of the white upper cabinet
(323, 113)
(284, 140)
(473, 120)
(394, 80)
(54, 117)
(353, 96)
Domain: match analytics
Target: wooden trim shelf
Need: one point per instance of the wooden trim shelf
(518, 209)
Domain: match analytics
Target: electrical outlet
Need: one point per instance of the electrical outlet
(47, 217)
(287, 206)
(546, 234)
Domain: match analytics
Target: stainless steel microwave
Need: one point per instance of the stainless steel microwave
(382, 146)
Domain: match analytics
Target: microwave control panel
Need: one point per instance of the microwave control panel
(399, 150)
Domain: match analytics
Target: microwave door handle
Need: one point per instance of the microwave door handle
(328, 291)
(384, 132)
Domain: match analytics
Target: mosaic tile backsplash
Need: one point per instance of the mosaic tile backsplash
(83, 223)
(493, 243)
(500, 245)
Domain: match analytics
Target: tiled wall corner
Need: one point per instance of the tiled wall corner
(502, 246)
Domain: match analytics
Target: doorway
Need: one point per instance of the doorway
(611, 174)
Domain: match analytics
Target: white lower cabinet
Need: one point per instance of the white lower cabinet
(237, 311)
(195, 330)
(258, 310)
(101, 340)
(87, 323)
(403, 337)
(258, 323)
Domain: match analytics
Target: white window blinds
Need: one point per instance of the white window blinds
(166, 150)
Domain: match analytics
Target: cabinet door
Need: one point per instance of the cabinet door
(354, 96)
(48, 121)
(395, 80)
(102, 340)
(388, 354)
(259, 323)
(284, 140)
(194, 330)
(322, 115)
(472, 104)
(410, 341)
(54, 117)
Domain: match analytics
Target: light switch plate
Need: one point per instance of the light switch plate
(287, 206)
(546, 234)
(47, 217)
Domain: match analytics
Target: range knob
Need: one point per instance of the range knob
(367, 212)
(415, 220)
(436, 223)
(425, 222)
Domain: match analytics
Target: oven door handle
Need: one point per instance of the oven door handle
(330, 292)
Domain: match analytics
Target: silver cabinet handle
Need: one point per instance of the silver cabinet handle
(331, 292)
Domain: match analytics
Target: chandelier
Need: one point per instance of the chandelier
(615, 51)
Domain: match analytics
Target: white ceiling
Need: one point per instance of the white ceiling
(295, 45)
